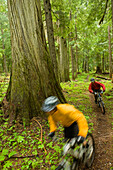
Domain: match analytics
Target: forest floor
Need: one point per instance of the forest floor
(103, 136)
(20, 145)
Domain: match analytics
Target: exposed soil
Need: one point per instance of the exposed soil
(103, 139)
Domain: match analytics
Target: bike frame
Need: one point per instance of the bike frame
(72, 150)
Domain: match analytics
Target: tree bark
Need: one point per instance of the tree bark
(103, 65)
(62, 59)
(66, 62)
(63, 63)
(50, 34)
(112, 37)
(110, 53)
(76, 66)
(98, 60)
(73, 62)
(4, 56)
(32, 78)
(72, 51)
(112, 16)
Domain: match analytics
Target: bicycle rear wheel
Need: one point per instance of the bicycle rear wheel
(90, 151)
(102, 107)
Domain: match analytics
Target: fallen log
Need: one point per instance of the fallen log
(103, 78)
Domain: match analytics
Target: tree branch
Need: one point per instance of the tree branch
(102, 19)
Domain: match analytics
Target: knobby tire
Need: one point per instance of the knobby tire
(89, 161)
(102, 107)
(59, 168)
(75, 165)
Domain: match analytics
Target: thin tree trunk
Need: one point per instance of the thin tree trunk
(103, 65)
(83, 64)
(112, 16)
(110, 53)
(4, 56)
(50, 34)
(76, 66)
(62, 59)
(112, 38)
(98, 60)
(72, 52)
(73, 63)
(66, 62)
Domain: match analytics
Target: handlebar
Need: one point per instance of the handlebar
(69, 144)
(59, 167)
(98, 92)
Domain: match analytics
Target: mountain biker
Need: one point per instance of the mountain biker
(73, 121)
(95, 86)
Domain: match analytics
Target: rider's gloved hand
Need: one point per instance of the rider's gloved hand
(80, 139)
(51, 134)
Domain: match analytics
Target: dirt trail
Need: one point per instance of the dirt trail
(103, 139)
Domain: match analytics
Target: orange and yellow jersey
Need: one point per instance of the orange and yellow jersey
(67, 114)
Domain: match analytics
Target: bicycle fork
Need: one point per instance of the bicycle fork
(77, 153)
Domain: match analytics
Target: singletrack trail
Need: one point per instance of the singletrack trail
(103, 138)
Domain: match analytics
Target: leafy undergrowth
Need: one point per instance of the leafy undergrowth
(4, 81)
(29, 147)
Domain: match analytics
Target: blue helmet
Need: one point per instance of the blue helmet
(92, 79)
(50, 103)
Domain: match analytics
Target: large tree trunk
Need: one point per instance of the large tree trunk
(50, 34)
(33, 77)
(63, 60)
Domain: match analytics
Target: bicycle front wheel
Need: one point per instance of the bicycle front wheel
(75, 165)
(102, 107)
(60, 168)
(90, 151)
(65, 165)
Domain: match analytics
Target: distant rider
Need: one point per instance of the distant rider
(73, 121)
(95, 87)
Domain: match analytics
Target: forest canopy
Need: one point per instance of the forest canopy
(50, 42)
(92, 38)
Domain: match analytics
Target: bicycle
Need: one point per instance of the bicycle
(75, 156)
(100, 101)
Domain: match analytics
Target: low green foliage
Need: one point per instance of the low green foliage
(24, 142)
(4, 82)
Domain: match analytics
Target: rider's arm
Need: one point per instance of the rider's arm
(52, 124)
(90, 88)
(102, 85)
